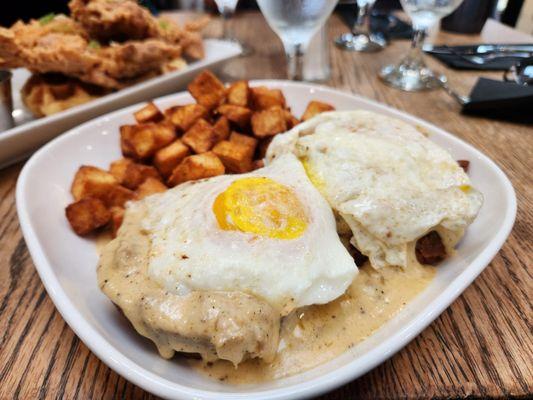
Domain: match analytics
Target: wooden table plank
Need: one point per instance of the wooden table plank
(481, 346)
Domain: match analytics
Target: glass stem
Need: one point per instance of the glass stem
(415, 57)
(362, 22)
(226, 15)
(295, 61)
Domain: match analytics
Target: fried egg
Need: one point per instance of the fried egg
(268, 233)
(385, 179)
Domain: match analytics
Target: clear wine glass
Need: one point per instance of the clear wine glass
(361, 38)
(227, 8)
(296, 22)
(412, 74)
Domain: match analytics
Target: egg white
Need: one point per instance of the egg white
(388, 181)
(189, 250)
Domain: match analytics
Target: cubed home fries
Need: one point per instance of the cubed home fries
(227, 130)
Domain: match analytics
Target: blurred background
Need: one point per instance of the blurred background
(515, 13)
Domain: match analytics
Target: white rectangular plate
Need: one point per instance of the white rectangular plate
(18, 142)
(67, 263)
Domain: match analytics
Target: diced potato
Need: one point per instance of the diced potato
(92, 182)
(118, 168)
(126, 132)
(137, 174)
(235, 156)
(87, 215)
(195, 167)
(183, 117)
(167, 158)
(314, 108)
(248, 141)
(117, 216)
(263, 147)
(258, 164)
(146, 139)
(222, 128)
(264, 98)
(207, 90)
(269, 122)
(237, 114)
(149, 113)
(292, 121)
(200, 137)
(150, 186)
(117, 196)
(239, 94)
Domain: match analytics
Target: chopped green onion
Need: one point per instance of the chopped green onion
(164, 24)
(46, 19)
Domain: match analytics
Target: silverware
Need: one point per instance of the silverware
(483, 59)
(481, 49)
(6, 101)
(442, 81)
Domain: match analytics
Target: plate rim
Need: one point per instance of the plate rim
(160, 386)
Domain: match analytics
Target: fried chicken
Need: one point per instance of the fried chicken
(73, 55)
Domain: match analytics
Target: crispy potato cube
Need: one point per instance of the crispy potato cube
(257, 164)
(183, 117)
(221, 128)
(147, 138)
(207, 90)
(149, 187)
(118, 168)
(167, 158)
(239, 94)
(237, 114)
(201, 137)
(292, 121)
(126, 132)
(263, 147)
(117, 196)
(92, 182)
(235, 156)
(131, 174)
(195, 167)
(269, 122)
(264, 98)
(149, 113)
(248, 141)
(314, 108)
(117, 216)
(87, 215)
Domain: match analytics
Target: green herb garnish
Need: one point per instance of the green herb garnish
(46, 19)
(93, 44)
(164, 24)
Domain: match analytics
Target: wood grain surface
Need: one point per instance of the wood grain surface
(479, 347)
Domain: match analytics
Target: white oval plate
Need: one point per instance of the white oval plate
(67, 263)
(18, 142)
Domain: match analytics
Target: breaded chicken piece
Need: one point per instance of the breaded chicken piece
(73, 55)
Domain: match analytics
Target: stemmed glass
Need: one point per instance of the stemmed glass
(361, 39)
(412, 74)
(296, 22)
(227, 8)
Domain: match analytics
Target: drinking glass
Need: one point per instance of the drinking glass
(296, 22)
(226, 8)
(412, 74)
(361, 39)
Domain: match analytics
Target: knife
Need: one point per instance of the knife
(479, 49)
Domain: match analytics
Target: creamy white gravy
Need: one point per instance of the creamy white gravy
(316, 334)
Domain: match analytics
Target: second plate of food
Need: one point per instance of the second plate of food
(319, 347)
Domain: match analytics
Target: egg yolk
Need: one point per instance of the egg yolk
(313, 176)
(261, 206)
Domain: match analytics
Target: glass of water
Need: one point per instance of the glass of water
(412, 74)
(296, 22)
(361, 38)
(226, 8)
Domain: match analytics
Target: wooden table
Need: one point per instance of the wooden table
(481, 346)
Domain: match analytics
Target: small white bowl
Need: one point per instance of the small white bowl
(67, 263)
